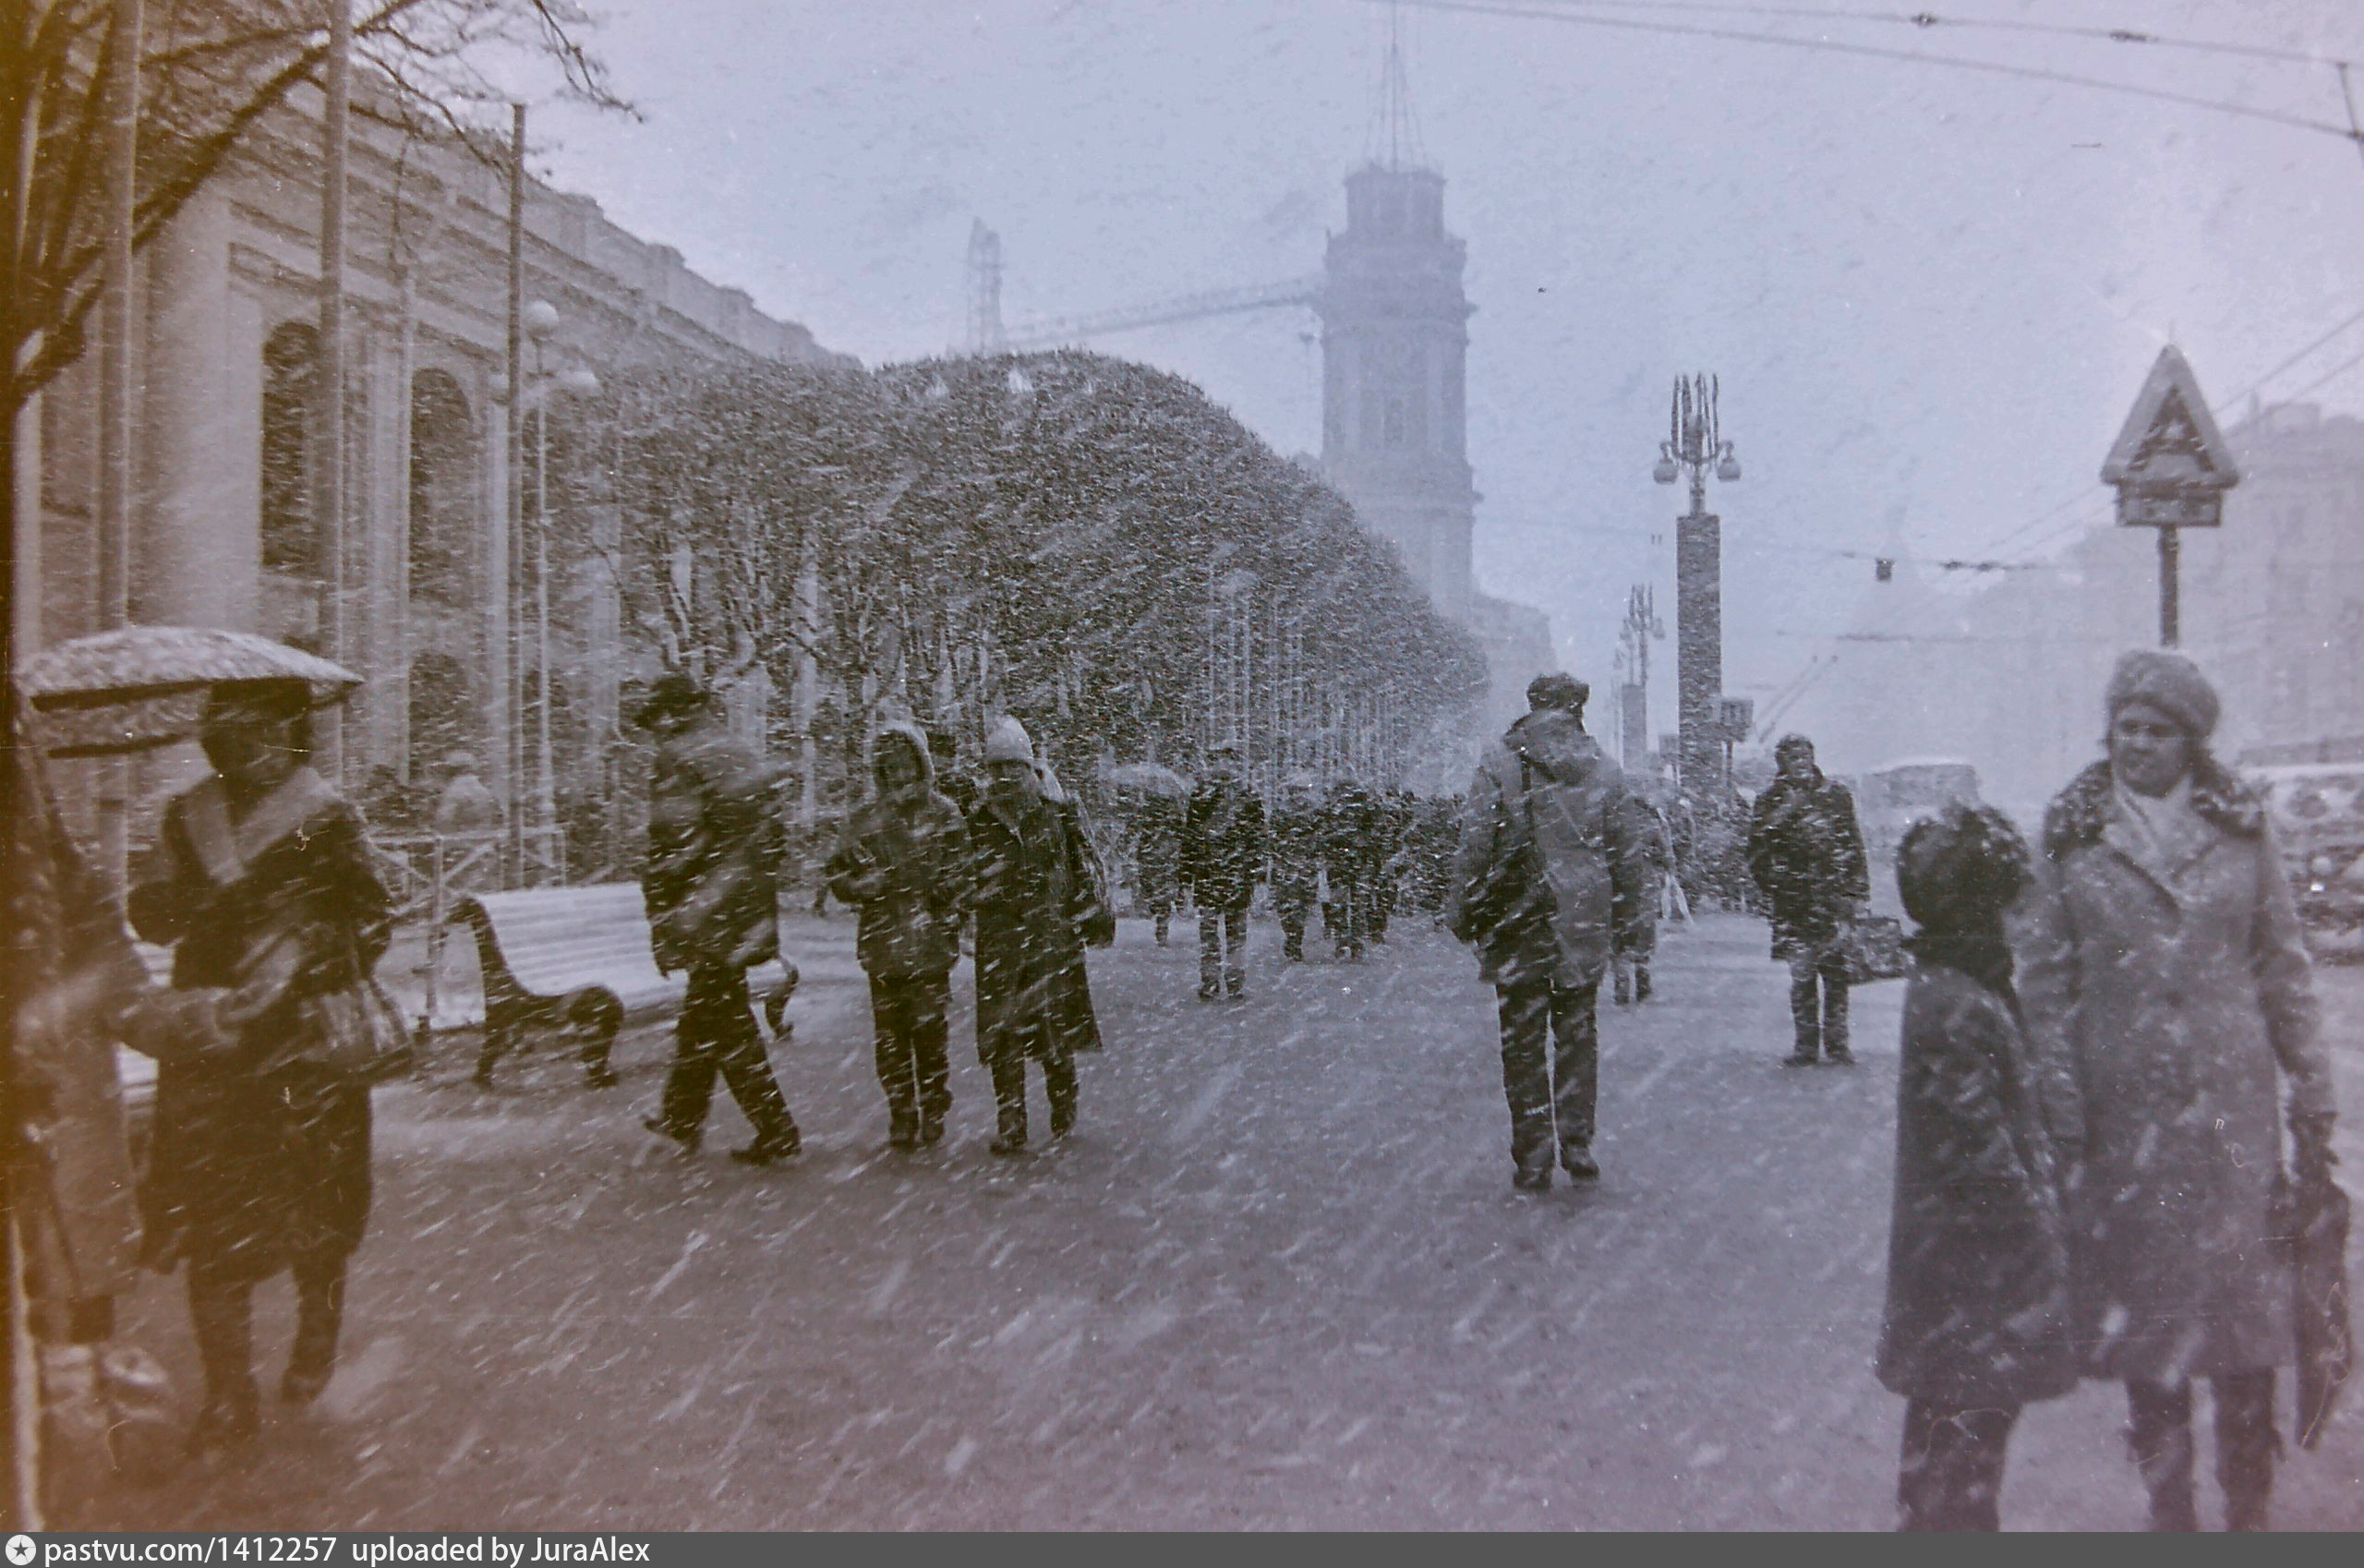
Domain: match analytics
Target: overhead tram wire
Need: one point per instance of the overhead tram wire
(1877, 52)
(1927, 21)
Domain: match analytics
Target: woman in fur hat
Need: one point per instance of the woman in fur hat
(2172, 1005)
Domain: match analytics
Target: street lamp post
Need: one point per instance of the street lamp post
(1695, 445)
(541, 322)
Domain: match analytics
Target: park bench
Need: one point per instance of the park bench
(578, 959)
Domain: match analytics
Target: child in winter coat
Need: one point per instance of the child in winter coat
(1978, 1265)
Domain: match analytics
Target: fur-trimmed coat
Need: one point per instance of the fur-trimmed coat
(2169, 1005)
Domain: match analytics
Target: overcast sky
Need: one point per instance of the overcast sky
(1930, 295)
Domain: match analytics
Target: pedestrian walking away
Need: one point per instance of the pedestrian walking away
(1027, 894)
(711, 886)
(1223, 857)
(1074, 1017)
(1546, 877)
(1157, 859)
(1977, 1319)
(260, 882)
(1805, 854)
(2172, 1004)
(1631, 963)
(903, 863)
(1296, 873)
(1352, 831)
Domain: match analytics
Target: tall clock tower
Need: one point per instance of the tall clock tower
(1394, 346)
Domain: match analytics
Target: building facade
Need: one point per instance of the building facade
(437, 606)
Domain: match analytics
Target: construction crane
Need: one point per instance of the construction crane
(987, 333)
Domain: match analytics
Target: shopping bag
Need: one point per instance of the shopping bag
(1871, 948)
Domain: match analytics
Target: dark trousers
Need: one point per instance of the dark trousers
(1350, 915)
(1950, 1477)
(1004, 1050)
(1292, 904)
(1222, 940)
(717, 1034)
(1818, 1003)
(908, 1017)
(2159, 1433)
(1557, 1097)
(220, 1315)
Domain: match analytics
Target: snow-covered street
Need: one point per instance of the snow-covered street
(1278, 1278)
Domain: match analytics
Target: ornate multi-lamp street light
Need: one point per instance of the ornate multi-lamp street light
(1695, 445)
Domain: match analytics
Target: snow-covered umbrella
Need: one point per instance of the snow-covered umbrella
(1149, 778)
(141, 687)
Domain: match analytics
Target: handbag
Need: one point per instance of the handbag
(355, 1030)
(1871, 948)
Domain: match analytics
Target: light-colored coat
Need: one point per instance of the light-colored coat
(2166, 1003)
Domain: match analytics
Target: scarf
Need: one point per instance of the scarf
(2168, 826)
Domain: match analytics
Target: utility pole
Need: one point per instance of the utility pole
(504, 584)
(1695, 444)
(327, 381)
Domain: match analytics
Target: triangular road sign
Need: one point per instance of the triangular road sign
(2170, 441)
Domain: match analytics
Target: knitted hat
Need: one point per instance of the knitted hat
(2169, 683)
(1555, 689)
(672, 692)
(1009, 743)
(1960, 869)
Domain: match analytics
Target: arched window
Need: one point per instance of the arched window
(444, 496)
(290, 541)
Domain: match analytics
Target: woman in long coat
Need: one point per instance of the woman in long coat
(260, 882)
(1025, 889)
(2172, 1004)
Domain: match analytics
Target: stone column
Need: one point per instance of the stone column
(196, 535)
(1699, 645)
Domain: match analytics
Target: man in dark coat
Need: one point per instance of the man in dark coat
(904, 864)
(1548, 877)
(1978, 1286)
(1352, 830)
(711, 886)
(1297, 860)
(1027, 892)
(1157, 858)
(1223, 856)
(262, 884)
(952, 781)
(1805, 853)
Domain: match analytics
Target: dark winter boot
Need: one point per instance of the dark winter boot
(902, 1131)
(1641, 982)
(2158, 1433)
(320, 1315)
(222, 1316)
(1577, 1161)
(1009, 1132)
(2247, 1446)
(1162, 922)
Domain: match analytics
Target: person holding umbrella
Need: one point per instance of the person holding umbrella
(261, 884)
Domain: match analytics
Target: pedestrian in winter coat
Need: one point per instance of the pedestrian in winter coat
(2170, 999)
(1631, 963)
(903, 863)
(1297, 860)
(260, 882)
(1977, 1321)
(1805, 853)
(952, 781)
(711, 886)
(1027, 894)
(1352, 832)
(1072, 1014)
(1548, 877)
(1157, 859)
(1223, 856)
